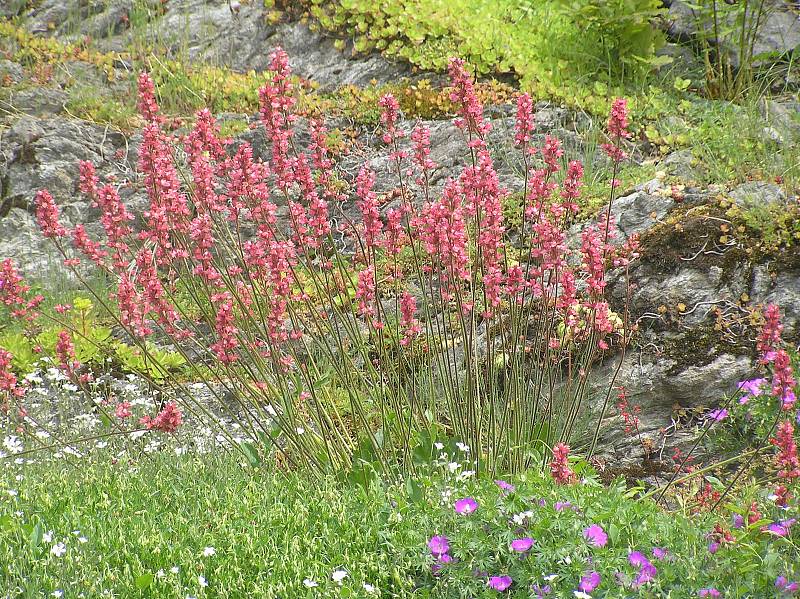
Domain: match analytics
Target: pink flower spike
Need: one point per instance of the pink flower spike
(500, 583)
(596, 535)
(466, 505)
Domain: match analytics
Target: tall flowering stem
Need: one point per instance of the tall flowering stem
(347, 318)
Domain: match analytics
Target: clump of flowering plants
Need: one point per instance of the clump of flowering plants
(533, 536)
(432, 320)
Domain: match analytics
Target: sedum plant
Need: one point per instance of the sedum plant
(346, 337)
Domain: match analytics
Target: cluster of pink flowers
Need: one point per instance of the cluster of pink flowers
(14, 291)
(167, 420)
(559, 466)
(9, 385)
(65, 353)
(469, 108)
(617, 130)
(786, 459)
(147, 105)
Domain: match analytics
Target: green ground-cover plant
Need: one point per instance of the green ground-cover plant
(167, 525)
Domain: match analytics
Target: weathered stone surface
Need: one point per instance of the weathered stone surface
(757, 194)
(778, 33)
(37, 101)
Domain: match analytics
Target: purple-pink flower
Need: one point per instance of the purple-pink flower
(466, 505)
(718, 415)
(438, 545)
(596, 535)
(589, 582)
(786, 587)
(507, 487)
(522, 545)
(500, 583)
(659, 552)
(709, 592)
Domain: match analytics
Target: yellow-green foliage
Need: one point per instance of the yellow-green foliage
(552, 46)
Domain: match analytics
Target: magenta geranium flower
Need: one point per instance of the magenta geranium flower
(659, 552)
(589, 582)
(710, 592)
(438, 545)
(751, 388)
(718, 415)
(500, 583)
(508, 487)
(596, 535)
(522, 545)
(466, 505)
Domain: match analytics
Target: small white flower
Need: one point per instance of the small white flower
(160, 574)
(369, 588)
(309, 584)
(57, 593)
(209, 551)
(551, 577)
(13, 444)
(300, 430)
(453, 466)
(59, 549)
(174, 569)
(581, 595)
(463, 447)
(567, 560)
(82, 540)
(439, 446)
(13, 492)
(48, 536)
(101, 444)
(202, 581)
(339, 576)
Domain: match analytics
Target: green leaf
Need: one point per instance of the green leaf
(414, 490)
(251, 454)
(144, 580)
(36, 535)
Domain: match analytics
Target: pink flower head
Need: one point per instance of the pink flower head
(438, 545)
(466, 505)
(123, 410)
(389, 117)
(596, 535)
(786, 460)
(659, 552)
(589, 582)
(709, 592)
(147, 105)
(167, 420)
(500, 583)
(470, 109)
(559, 467)
(47, 215)
(617, 130)
(522, 545)
(524, 127)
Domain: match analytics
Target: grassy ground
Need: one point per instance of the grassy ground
(168, 525)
